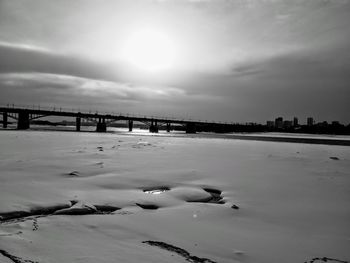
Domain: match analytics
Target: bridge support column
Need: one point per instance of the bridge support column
(23, 120)
(190, 128)
(78, 123)
(154, 127)
(130, 124)
(101, 125)
(4, 119)
(168, 127)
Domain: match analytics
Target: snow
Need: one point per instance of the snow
(293, 199)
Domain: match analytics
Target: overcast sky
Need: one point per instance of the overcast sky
(231, 60)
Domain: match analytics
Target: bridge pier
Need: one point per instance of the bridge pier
(4, 119)
(130, 124)
(154, 127)
(101, 125)
(168, 127)
(23, 120)
(77, 123)
(190, 128)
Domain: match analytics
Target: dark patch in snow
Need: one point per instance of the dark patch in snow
(73, 202)
(334, 158)
(37, 211)
(13, 215)
(182, 252)
(87, 209)
(106, 209)
(15, 258)
(325, 259)
(62, 209)
(215, 197)
(235, 207)
(203, 200)
(100, 148)
(148, 206)
(212, 191)
(35, 224)
(48, 209)
(73, 174)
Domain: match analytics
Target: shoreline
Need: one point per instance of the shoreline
(325, 141)
(239, 136)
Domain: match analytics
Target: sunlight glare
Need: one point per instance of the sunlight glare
(149, 50)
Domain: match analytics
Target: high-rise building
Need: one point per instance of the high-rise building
(295, 122)
(287, 124)
(270, 124)
(310, 121)
(279, 123)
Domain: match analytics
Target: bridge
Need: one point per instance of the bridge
(23, 116)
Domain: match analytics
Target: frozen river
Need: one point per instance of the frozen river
(120, 197)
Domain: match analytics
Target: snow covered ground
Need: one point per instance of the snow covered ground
(88, 197)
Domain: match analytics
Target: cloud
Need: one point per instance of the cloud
(91, 94)
(22, 46)
(75, 86)
(16, 57)
(213, 34)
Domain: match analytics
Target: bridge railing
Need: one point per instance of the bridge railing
(101, 112)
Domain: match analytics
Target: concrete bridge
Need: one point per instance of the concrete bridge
(23, 116)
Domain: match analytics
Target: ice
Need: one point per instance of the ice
(293, 199)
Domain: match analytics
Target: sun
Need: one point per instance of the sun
(149, 50)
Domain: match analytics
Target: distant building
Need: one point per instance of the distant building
(270, 124)
(335, 123)
(295, 122)
(323, 124)
(287, 124)
(310, 121)
(279, 123)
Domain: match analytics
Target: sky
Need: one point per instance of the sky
(222, 60)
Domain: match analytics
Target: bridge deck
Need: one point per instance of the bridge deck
(103, 116)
